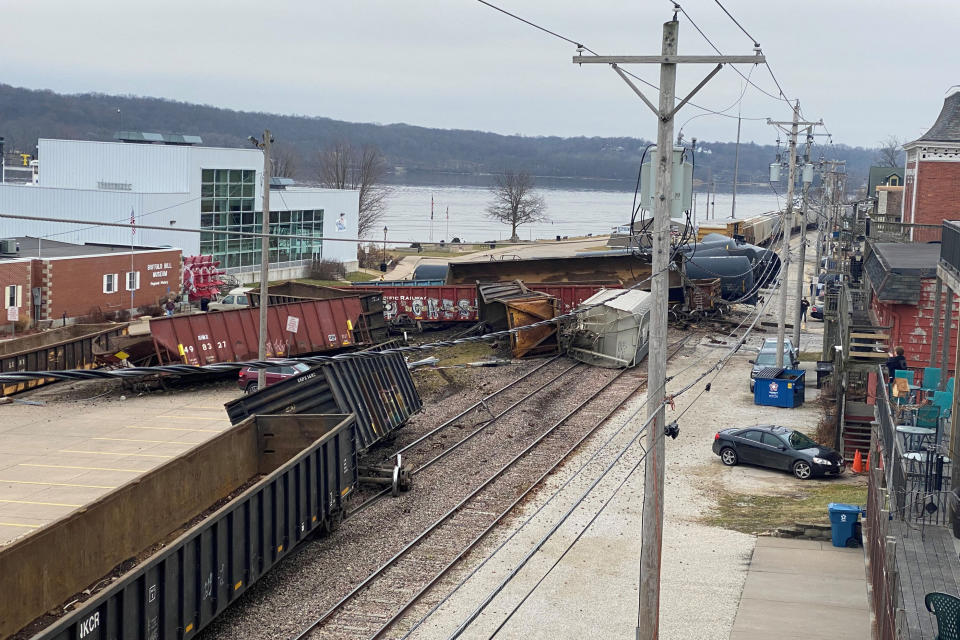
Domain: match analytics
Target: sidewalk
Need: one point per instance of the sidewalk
(803, 589)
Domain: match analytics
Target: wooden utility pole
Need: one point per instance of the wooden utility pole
(803, 244)
(264, 258)
(788, 222)
(652, 533)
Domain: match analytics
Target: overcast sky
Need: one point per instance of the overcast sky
(870, 69)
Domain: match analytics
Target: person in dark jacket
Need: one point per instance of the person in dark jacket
(896, 362)
(804, 304)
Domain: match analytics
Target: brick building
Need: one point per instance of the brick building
(48, 280)
(932, 180)
(902, 278)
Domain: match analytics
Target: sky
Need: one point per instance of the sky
(869, 69)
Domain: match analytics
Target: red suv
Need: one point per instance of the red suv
(248, 375)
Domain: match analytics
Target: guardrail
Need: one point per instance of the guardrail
(881, 550)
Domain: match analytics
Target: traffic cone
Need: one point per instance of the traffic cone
(866, 465)
(857, 462)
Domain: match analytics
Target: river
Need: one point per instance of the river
(573, 210)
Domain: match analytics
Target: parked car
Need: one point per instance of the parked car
(777, 447)
(816, 309)
(248, 375)
(235, 299)
(768, 357)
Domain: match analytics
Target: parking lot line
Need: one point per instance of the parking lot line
(112, 453)
(63, 466)
(223, 419)
(150, 441)
(45, 504)
(15, 524)
(175, 429)
(58, 484)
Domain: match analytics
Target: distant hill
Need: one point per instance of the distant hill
(26, 115)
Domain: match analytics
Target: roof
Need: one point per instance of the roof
(879, 176)
(947, 126)
(165, 138)
(42, 248)
(629, 300)
(909, 259)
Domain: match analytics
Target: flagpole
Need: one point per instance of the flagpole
(133, 231)
(431, 217)
(448, 223)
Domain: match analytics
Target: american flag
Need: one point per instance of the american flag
(133, 221)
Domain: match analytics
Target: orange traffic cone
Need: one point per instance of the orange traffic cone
(857, 462)
(866, 465)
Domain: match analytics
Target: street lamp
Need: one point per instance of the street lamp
(383, 264)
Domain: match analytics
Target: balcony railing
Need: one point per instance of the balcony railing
(950, 246)
(881, 231)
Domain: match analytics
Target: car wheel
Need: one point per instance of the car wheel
(252, 387)
(802, 470)
(728, 456)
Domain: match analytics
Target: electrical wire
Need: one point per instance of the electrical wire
(752, 39)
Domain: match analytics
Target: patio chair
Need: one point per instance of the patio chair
(944, 400)
(946, 608)
(906, 374)
(928, 416)
(949, 387)
(931, 378)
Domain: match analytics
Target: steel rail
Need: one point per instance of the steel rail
(573, 448)
(455, 509)
(366, 503)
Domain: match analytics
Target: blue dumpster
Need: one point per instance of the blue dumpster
(776, 387)
(843, 524)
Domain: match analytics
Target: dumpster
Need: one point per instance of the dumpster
(844, 524)
(824, 370)
(777, 387)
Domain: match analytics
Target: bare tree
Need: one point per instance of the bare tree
(515, 202)
(284, 161)
(343, 166)
(889, 152)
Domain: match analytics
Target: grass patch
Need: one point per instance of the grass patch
(435, 385)
(758, 513)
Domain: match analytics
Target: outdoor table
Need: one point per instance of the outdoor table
(915, 437)
(920, 456)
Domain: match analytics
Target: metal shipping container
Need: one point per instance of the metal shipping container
(284, 476)
(233, 336)
(377, 388)
(372, 327)
(69, 347)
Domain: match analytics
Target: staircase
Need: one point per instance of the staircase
(857, 420)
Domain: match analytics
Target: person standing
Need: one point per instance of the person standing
(169, 307)
(896, 362)
(804, 304)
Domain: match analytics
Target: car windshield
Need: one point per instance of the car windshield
(768, 358)
(800, 441)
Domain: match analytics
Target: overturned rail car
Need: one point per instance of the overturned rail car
(279, 479)
(71, 347)
(312, 326)
(376, 387)
(371, 323)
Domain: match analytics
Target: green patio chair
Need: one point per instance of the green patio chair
(928, 416)
(906, 374)
(944, 400)
(931, 378)
(947, 610)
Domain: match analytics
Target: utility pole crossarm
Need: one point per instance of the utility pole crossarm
(697, 88)
(636, 90)
(752, 59)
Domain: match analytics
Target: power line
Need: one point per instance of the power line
(754, 40)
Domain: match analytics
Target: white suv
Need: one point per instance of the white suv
(235, 299)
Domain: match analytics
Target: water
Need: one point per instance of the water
(574, 210)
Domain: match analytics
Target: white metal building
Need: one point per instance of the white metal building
(180, 186)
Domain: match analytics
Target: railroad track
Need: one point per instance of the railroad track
(373, 607)
(489, 409)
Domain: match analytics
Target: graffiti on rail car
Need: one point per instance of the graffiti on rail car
(429, 308)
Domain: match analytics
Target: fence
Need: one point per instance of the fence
(881, 231)
(881, 549)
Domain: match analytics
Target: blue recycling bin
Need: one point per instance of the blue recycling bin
(776, 387)
(843, 524)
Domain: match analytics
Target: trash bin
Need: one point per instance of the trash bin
(824, 369)
(843, 524)
(775, 387)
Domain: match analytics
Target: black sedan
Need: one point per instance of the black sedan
(777, 448)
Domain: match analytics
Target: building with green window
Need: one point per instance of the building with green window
(204, 198)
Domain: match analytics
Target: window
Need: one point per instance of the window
(242, 300)
(133, 280)
(110, 283)
(12, 296)
(751, 435)
(772, 440)
(800, 441)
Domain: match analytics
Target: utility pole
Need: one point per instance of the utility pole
(736, 172)
(652, 534)
(803, 242)
(788, 220)
(264, 255)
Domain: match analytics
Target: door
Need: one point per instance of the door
(775, 452)
(749, 447)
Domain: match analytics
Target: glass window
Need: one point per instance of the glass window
(220, 189)
(243, 300)
(206, 191)
(220, 204)
(800, 441)
(248, 175)
(206, 175)
(206, 204)
(772, 440)
(284, 217)
(206, 221)
(750, 435)
(222, 176)
(248, 190)
(248, 218)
